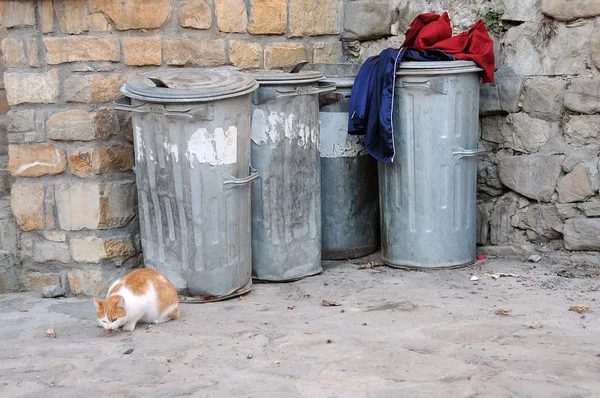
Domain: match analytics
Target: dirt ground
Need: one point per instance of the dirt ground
(395, 334)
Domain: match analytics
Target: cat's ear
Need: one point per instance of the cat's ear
(121, 304)
(97, 303)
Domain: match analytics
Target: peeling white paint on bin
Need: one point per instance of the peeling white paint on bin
(286, 203)
(192, 144)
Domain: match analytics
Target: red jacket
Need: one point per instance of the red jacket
(433, 32)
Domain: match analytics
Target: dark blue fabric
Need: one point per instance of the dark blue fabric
(371, 101)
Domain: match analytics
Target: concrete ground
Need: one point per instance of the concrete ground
(396, 334)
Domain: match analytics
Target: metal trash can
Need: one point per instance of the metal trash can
(428, 194)
(192, 145)
(286, 203)
(349, 201)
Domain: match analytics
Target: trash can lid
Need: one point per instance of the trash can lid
(281, 77)
(189, 85)
(340, 82)
(437, 68)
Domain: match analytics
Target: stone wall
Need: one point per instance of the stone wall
(538, 185)
(71, 154)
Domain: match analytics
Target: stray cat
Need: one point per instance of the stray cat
(143, 295)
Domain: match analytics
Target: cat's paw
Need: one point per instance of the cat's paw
(129, 327)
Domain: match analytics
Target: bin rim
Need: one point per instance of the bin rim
(279, 77)
(187, 85)
(339, 81)
(436, 68)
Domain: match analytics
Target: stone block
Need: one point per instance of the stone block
(534, 176)
(94, 249)
(195, 14)
(570, 10)
(542, 222)
(268, 17)
(567, 210)
(142, 51)
(280, 55)
(575, 186)
(595, 45)
(9, 230)
(80, 125)
(232, 16)
(36, 281)
(311, 18)
(97, 22)
(17, 13)
(73, 49)
(518, 131)
(72, 15)
(327, 52)
(566, 53)
(13, 53)
(4, 107)
(54, 291)
(245, 54)
(582, 129)
(106, 88)
(519, 10)
(44, 251)
(33, 53)
(484, 214)
(582, 95)
(20, 120)
(367, 20)
(590, 208)
(95, 205)
(85, 162)
(544, 98)
(37, 88)
(134, 14)
(78, 88)
(49, 210)
(502, 96)
(35, 160)
(46, 11)
(194, 52)
(55, 236)
(582, 234)
(500, 221)
(27, 203)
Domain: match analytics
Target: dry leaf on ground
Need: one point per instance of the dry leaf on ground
(580, 309)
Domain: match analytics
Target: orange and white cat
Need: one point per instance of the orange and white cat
(143, 295)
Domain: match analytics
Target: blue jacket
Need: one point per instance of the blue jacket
(372, 99)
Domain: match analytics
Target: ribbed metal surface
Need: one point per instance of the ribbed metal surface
(193, 230)
(427, 196)
(286, 202)
(349, 204)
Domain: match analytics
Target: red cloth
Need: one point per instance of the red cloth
(433, 32)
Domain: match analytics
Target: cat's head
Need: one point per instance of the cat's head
(111, 312)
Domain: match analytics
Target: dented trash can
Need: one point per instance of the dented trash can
(428, 193)
(286, 202)
(349, 197)
(192, 146)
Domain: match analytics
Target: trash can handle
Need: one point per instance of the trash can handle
(124, 104)
(459, 152)
(204, 111)
(325, 88)
(232, 182)
(298, 67)
(438, 85)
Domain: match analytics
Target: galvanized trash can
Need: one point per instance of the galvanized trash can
(349, 200)
(192, 146)
(428, 194)
(286, 202)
